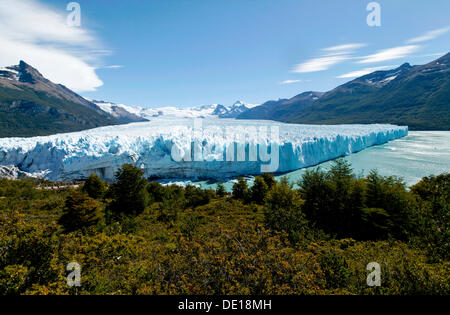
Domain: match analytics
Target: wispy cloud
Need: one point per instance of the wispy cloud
(335, 55)
(40, 36)
(345, 47)
(319, 64)
(429, 35)
(290, 81)
(112, 67)
(362, 72)
(390, 54)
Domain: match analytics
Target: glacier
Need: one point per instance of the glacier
(190, 148)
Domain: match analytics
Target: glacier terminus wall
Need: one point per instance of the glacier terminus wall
(190, 148)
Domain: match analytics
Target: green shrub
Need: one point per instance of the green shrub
(269, 179)
(94, 187)
(240, 189)
(220, 190)
(80, 212)
(283, 211)
(259, 190)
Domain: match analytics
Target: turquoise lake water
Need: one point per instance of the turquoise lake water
(420, 154)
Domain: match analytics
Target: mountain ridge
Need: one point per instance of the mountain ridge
(203, 111)
(417, 96)
(31, 105)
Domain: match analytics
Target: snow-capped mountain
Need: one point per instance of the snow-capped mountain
(118, 111)
(32, 105)
(204, 111)
(10, 73)
(382, 78)
(416, 96)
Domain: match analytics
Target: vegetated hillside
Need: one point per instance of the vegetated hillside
(31, 105)
(135, 237)
(416, 96)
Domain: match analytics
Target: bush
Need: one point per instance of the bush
(344, 206)
(197, 197)
(80, 212)
(283, 211)
(240, 189)
(376, 224)
(222, 247)
(389, 194)
(220, 190)
(433, 194)
(259, 190)
(269, 179)
(94, 187)
(28, 250)
(157, 192)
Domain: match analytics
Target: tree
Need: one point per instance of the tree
(375, 225)
(129, 193)
(157, 192)
(283, 211)
(269, 179)
(94, 187)
(334, 200)
(433, 196)
(240, 189)
(259, 190)
(80, 211)
(197, 197)
(345, 214)
(317, 192)
(389, 194)
(220, 190)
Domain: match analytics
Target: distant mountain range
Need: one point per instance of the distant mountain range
(205, 111)
(31, 105)
(416, 96)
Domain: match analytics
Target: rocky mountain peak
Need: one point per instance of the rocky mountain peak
(25, 73)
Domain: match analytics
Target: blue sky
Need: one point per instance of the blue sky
(184, 53)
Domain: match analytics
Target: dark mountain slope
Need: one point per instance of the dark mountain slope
(281, 109)
(31, 105)
(415, 96)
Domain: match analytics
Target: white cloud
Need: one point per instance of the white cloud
(290, 81)
(429, 35)
(390, 54)
(112, 67)
(319, 64)
(362, 72)
(345, 47)
(39, 35)
(336, 54)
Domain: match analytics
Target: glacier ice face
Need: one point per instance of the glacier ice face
(190, 148)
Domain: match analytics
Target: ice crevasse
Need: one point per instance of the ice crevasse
(190, 149)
